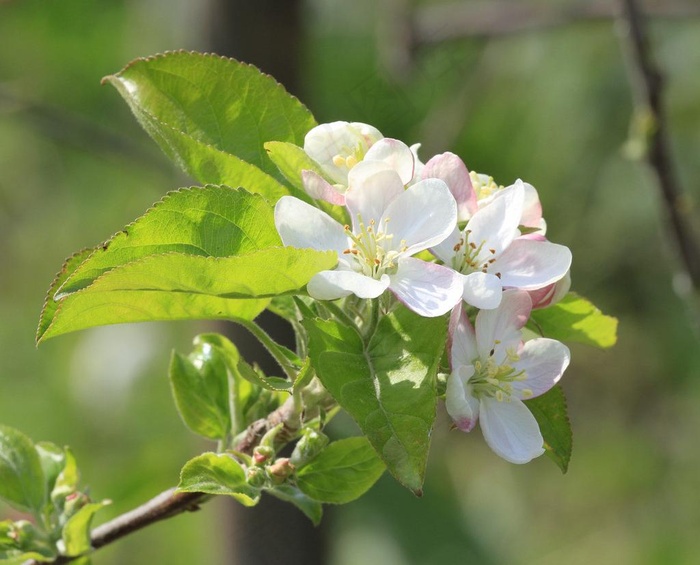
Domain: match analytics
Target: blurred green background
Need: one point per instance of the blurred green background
(551, 106)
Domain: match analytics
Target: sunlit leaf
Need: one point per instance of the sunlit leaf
(193, 103)
(213, 473)
(575, 319)
(211, 221)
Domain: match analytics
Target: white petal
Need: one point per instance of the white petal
(423, 216)
(445, 250)
(544, 362)
(329, 285)
(532, 209)
(482, 290)
(426, 288)
(370, 198)
(462, 339)
(302, 225)
(511, 430)
(461, 405)
(319, 188)
(417, 163)
(451, 169)
(497, 223)
(394, 153)
(503, 324)
(528, 264)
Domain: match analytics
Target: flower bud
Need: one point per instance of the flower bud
(280, 470)
(256, 477)
(311, 443)
(551, 294)
(262, 454)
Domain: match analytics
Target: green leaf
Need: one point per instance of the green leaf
(76, 532)
(194, 104)
(342, 472)
(213, 473)
(53, 460)
(211, 221)
(261, 274)
(551, 414)
(388, 385)
(575, 319)
(50, 305)
(200, 389)
(82, 310)
(22, 483)
(291, 159)
(310, 507)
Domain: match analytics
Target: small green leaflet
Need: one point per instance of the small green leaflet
(76, 532)
(213, 473)
(342, 472)
(22, 483)
(310, 507)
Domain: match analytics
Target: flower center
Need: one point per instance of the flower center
(484, 185)
(372, 249)
(471, 257)
(494, 380)
(348, 157)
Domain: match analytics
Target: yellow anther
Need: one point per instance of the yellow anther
(527, 393)
(339, 161)
(351, 161)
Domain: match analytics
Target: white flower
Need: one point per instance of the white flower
(338, 147)
(389, 224)
(493, 371)
(491, 254)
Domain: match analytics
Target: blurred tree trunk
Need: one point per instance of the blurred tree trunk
(268, 34)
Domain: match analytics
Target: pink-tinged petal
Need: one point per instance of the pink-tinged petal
(510, 430)
(302, 225)
(482, 290)
(460, 403)
(461, 340)
(445, 250)
(502, 325)
(394, 153)
(497, 223)
(423, 216)
(329, 285)
(426, 288)
(551, 294)
(451, 169)
(370, 198)
(544, 362)
(319, 188)
(528, 264)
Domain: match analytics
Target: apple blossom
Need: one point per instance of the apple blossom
(491, 254)
(493, 370)
(389, 224)
(339, 146)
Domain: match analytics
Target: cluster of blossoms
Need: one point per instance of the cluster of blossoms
(489, 255)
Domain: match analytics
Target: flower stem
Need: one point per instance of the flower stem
(371, 326)
(273, 348)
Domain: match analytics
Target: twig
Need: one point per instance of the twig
(171, 503)
(648, 83)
